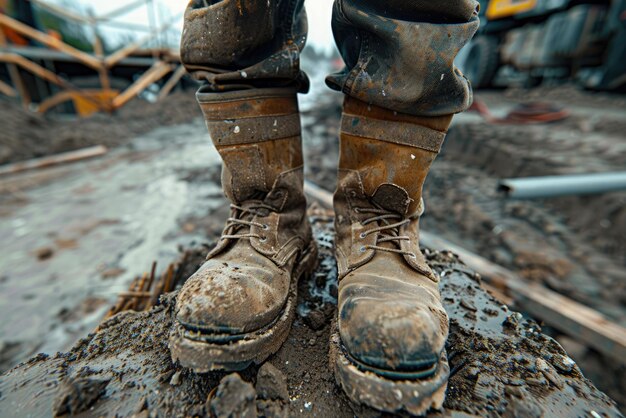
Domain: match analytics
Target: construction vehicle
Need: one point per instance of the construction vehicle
(548, 40)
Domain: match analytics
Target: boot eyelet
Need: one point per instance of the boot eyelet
(363, 249)
(352, 193)
(263, 239)
(265, 227)
(363, 235)
(412, 255)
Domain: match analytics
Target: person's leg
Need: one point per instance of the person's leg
(243, 44)
(399, 53)
(402, 88)
(237, 309)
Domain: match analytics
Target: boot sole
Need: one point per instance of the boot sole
(415, 396)
(244, 349)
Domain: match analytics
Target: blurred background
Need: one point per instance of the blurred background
(105, 166)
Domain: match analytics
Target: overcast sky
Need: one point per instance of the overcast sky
(319, 12)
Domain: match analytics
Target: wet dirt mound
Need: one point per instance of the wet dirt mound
(26, 135)
(501, 364)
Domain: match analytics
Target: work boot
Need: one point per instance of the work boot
(387, 348)
(237, 309)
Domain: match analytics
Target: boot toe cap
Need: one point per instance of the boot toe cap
(392, 335)
(231, 297)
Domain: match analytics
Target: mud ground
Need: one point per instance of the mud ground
(59, 279)
(26, 135)
(501, 364)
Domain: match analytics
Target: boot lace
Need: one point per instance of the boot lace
(388, 231)
(241, 220)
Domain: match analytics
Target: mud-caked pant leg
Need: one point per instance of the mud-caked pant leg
(399, 54)
(242, 44)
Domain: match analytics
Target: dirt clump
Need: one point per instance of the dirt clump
(271, 384)
(234, 398)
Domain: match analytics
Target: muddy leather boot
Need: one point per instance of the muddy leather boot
(237, 309)
(387, 349)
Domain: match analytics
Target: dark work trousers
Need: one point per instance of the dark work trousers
(399, 54)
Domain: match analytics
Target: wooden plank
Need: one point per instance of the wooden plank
(34, 68)
(498, 294)
(15, 76)
(7, 90)
(50, 41)
(63, 158)
(171, 83)
(48, 75)
(568, 316)
(323, 196)
(54, 100)
(155, 73)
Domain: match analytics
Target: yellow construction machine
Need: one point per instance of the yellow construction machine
(531, 41)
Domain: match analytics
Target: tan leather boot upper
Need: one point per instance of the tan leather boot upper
(390, 313)
(244, 284)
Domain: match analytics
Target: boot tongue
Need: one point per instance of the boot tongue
(392, 198)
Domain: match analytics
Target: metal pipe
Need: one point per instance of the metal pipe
(565, 185)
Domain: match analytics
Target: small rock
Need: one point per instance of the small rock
(234, 398)
(563, 363)
(271, 384)
(44, 253)
(549, 373)
(175, 380)
(513, 320)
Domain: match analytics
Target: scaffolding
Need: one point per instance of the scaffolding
(142, 66)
